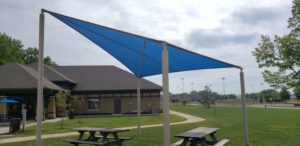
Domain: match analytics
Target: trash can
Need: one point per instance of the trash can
(14, 125)
(71, 114)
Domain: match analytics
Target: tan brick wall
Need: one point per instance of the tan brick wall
(128, 104)
(106, 105)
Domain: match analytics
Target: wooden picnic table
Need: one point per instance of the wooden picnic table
(104, 132)
(102, 139)
(198, 136)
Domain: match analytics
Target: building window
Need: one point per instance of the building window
(146, 94)
(107, 95)
(125, 94)
(93, 95)
(93, 104)
(155, 94)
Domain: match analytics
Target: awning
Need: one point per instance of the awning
(144, 57)
(140, 54)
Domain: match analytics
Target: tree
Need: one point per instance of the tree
(207, 98)
(294, 21)
(270, 95)
(48, 61)
(60, 98)
(285, 94)
(10, 50)
(297, 92)
(31, 56)
(76, 101)
(280, 57)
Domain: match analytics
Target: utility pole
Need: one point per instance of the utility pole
(192, 83)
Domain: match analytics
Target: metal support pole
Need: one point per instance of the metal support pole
(40, 104)
(165, 78)
(139, 106)
(244, 108)
(23, 117)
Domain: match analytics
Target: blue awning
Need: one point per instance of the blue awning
(7, 101)
(141, 55)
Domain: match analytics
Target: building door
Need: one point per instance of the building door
(117, 106)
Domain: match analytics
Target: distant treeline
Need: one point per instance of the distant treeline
(198, 96)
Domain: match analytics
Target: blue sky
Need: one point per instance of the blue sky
(227, 30)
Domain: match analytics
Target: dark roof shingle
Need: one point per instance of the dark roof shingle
(52, 74)
(21, 77)
(104, 78)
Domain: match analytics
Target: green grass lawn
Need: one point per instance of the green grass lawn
(101, 122)
(267, 127)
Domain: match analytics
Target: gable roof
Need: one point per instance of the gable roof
(104, 78)
(21, 77)
(52, 74)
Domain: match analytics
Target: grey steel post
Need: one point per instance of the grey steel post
(165, 78)
(23, 117)
(39, 108)
(139, 106)
(244, 108)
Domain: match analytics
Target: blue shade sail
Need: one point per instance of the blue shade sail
(141, 55)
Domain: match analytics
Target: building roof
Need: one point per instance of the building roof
(52, 74)
(104, 78)
(21, 77)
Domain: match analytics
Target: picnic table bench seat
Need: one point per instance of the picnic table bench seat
(78, 142)
(177, 143)
(110, 137)
(222, 142)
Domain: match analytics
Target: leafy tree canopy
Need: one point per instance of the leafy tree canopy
(285, 94)
(270, 95)
(280, 57)
(12, 51)
(61, 98)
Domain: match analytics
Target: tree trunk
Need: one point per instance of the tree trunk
(62, 120)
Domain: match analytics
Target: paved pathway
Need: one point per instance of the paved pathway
(277, 106)
(189, 119)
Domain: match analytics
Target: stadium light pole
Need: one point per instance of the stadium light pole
(182, 84)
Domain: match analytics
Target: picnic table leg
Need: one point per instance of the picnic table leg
(184, 142)
(194, 142)
(104, 137)
(81, 133)
(119, 142)
(202, 141)
(92, 136)
(214, 138)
